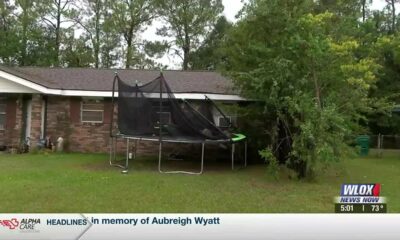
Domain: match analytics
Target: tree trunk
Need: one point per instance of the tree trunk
(316, 86)
(363, 2)
(24, 37)
(186, 48)
(129, 50)
(97, 41)
(185, 58)
(58, 25)
(393, 16)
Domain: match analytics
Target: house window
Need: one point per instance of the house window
(2, 115)
(224, 122)
(92, 111)
(165, 117)
(165, 114)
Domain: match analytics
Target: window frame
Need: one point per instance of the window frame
(2, 126)
(165, 109)
(97, 101)
(222, 117)
(169, 116)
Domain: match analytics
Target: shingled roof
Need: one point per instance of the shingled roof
(89, 79)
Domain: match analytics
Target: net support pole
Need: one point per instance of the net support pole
(113, 138)
(160, 124)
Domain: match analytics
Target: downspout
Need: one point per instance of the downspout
(45, 98)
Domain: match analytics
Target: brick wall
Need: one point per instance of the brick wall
(36, 119)
(64, 120)
(11, 134)
(57, 122)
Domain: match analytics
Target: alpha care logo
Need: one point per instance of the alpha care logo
(11, 224)
(29, 224)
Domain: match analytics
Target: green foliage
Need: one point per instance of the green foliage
(273, 165)
(110, 42)
(187, 22)
(209, 55)
(156, 49)
(306, 74)
(77, 53)
(8, 36)
(129, 17)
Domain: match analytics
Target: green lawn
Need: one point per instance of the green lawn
(85, 183)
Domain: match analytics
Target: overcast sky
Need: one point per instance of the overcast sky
(231, 8)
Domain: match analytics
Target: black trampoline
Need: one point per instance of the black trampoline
(150, 112)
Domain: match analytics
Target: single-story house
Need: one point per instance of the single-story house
(396, 109)
(75, 103)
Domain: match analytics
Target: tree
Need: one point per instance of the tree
(8, 35)
(188, 22)
(312, 88)
(209, 55)
(129, 17)
(110, 43)
(34, 40)
(55, 13)
(26, 17)
(77, 52)
(347, 13)
(92, 21)
(365, 4)
(392, 7)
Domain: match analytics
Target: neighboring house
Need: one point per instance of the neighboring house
(396, 109)
(75, 103)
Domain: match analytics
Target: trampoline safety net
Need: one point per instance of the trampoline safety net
(152, 110)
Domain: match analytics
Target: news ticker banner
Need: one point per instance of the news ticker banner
(200, 226)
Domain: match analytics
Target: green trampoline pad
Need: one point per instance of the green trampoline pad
(238, 137)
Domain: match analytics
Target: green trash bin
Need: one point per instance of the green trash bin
(363, 142)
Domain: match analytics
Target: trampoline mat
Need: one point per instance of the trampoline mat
(180, 139)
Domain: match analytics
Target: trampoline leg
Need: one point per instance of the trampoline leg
(114, 149)
(160, 157)
(245, 153)
(127, 153)
(111, 150)
(181, 172)
(202, 158)
(113, 154)
(125, 170)
(233, 156)
(135, 150)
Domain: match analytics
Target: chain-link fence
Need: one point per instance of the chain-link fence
(382, 145)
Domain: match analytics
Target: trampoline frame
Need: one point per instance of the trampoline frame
(114, 138)
(113, 150)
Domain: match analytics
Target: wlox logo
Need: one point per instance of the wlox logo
(11, 224)
(363, 190)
